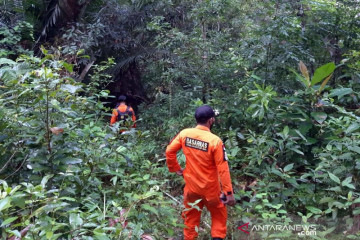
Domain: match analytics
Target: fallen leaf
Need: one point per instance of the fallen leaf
(146, 237)
(56, 130)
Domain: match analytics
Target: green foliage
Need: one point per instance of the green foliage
(16, 40)
(292, 140)
(97, 188)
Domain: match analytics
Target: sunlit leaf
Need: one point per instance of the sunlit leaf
(5, 203)
(322, 72)
(68, 67)
(70, 88)
(46, 179)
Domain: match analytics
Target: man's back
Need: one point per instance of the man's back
(206, 168)
(205, 160)
(199, 146)
(122, 111)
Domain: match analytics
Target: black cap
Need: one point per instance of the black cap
(204, 113)
(121, 98)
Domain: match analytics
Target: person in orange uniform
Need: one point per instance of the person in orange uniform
(122, 111)
(206, 174)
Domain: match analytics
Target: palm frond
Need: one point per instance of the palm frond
(124, 63)
(53, 14)
(58, 13)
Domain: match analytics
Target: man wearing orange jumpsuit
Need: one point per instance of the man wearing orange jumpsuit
(122, 111)
(206, 174)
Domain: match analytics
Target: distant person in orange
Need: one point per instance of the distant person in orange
(206, 174)
(122, 112)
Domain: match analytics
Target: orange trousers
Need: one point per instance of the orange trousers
(192, 216)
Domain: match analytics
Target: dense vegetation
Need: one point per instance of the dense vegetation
(284, 75)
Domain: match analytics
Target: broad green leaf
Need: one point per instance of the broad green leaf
(276, 206)
(7, 221)
(149, 208)
(5, 203)
(297, 151)
(121, 149)
(56, 236)
(301, 79)
(256, 77)
(319, 117)
(302, 136)
(286, 130)
(81, 51)
(6, 61)
(314, 210)
(340, 92)
(326, 200)
(70, 160)
(356, 211)
(277, 172)
(292, 181)
(43, 50)
(353, 127)
(45, 180)
(282, 211)
(349, 185)
(16, 233)
(68, 67)
(288, 167)
(90, 225)
(240, 136)
(102, 237)
(75, 220)
(70, 88)
(354, 148)
(334, 178)
(18, 202)
(49, 234)
(14, 190)
(357, 200)
(335, 189)
(324, 233)
(352, 237)
(322, 72)
(346, 181)
(68, 199)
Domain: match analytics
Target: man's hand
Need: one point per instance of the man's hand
(228, 200)
(180, 172)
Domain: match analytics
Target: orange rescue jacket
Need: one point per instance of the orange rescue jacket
(206, 161)
(122, 108)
